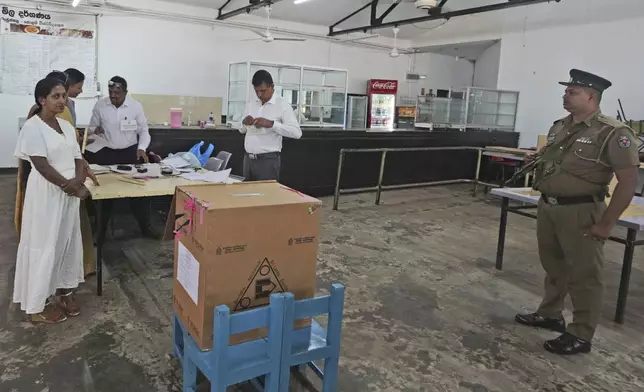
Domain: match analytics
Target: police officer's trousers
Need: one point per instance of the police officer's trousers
(573, 262)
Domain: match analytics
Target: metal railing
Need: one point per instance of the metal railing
(380, 187)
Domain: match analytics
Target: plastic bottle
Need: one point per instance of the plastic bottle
(211, 118)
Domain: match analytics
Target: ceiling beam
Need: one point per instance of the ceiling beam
(221, 9)
(441, 15)
(379, 20)
(244, 10)
(374, 9)
(356, 12)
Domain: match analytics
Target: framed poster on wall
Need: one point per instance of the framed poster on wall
(36, 42)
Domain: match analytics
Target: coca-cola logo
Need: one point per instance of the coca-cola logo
(379, 85)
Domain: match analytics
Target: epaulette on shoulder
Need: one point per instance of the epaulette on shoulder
(608, 120)
(559, 120)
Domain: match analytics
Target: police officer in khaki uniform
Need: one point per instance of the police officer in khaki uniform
(583, 152)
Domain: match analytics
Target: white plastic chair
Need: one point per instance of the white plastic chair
(225, 157)
(214, 164)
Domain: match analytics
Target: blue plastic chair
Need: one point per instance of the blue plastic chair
(304, 346)
(228, 365)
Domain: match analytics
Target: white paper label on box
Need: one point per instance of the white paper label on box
(246, 194)
(188, 272)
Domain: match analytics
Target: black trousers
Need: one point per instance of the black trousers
(266, 167)
(140, 206)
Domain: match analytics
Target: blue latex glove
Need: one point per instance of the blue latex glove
(196, 149)
(203, 158)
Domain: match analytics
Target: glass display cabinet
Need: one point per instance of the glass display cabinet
(491, 109)
(434, 112)
(474, 108)
(318, 95)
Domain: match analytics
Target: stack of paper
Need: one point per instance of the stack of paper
(153, 171)
(98, 169)
(208, 176)
(176, 162)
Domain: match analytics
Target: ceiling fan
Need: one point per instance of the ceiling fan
(266, 36)
(394, 51)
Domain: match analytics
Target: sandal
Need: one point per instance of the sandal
(67, 302)
(50, 315)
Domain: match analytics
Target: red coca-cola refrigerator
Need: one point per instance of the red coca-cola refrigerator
(382, 103)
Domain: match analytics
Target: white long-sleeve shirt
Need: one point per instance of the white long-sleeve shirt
(264, 140)
(124, 126)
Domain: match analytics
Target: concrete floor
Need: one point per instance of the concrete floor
(425, 308)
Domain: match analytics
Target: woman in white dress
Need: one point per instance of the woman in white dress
(50, 253)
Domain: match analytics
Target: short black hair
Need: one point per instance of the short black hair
(121, 81)
(262, 77)
(60, 76)
(74, 75)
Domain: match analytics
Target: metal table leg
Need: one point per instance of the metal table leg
(477, 174)
(336, 196)
(502, 226)
(383, 159)
(100, 239)
(526, 182)
(629, 250)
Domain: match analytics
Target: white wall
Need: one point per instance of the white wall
(541, 43)
(159, 56)
(201, 55)
(443, 72)
(486, 68)
(533, 62)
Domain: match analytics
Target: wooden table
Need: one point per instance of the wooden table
(115, 186)
(632, 220)
(517, 154)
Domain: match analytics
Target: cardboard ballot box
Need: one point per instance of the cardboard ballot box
(238, 244)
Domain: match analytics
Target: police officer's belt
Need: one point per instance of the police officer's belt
(572, 199)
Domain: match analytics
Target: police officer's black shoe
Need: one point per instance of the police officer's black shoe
(567, 344)
(535, 320)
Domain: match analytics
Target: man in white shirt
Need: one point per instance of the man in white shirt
(121, 136)
(266, 120)
(119, 122)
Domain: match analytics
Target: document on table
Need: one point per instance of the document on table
(175, 162)
(98, 169)
(115, 169)
(98, 144)
(188, 272)
(208, 176)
